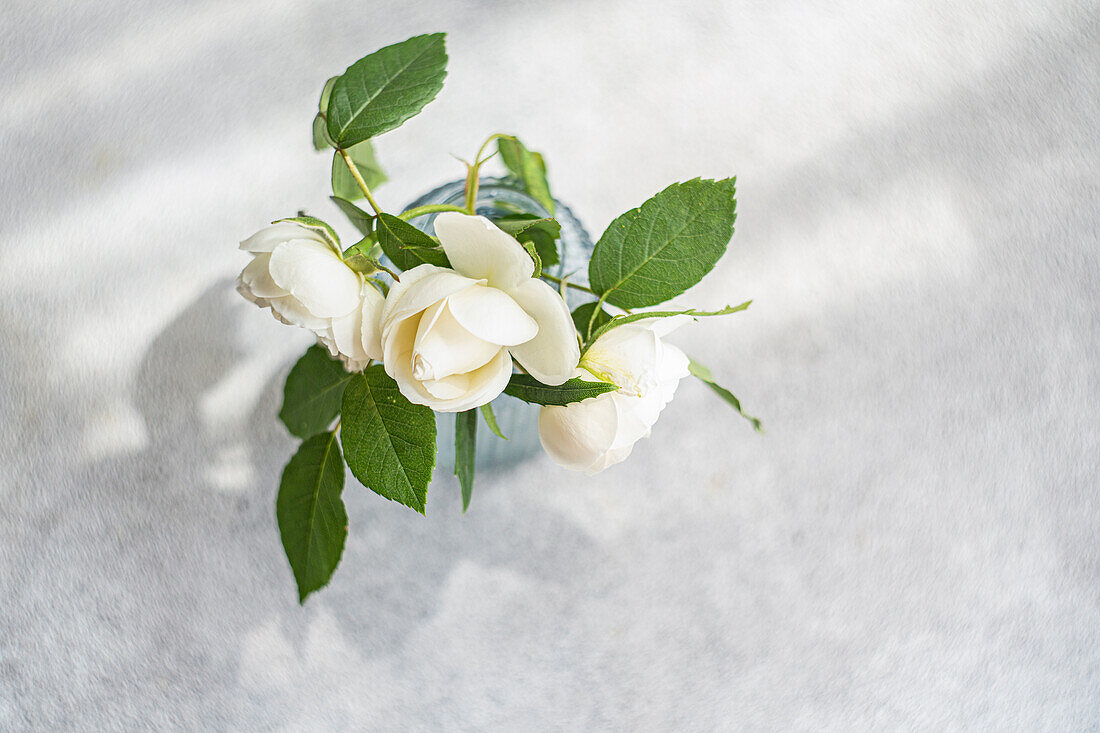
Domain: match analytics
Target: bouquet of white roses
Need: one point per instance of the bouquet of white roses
(413, 321)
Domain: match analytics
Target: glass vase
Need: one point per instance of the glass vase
(518, 420)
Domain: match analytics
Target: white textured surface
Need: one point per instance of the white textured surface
(913, 546)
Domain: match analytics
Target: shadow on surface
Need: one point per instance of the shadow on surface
(163, 572)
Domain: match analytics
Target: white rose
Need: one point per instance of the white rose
(303, 279)
(593, 434)
(449, 336)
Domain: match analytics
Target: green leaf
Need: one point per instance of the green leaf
(529, 167)
(382, 286)
(359, 219)
(541, 232)
(582, 317)
(380, 91)
(518, 224)
(465, 453)
(363, 265)
(515, 154)
(320, 128)
(312, 520)
(312, 222)
(407, 246)
(511, 209)
(362, 258)
(633, 317)
(313, 392)
(701, 372)
(658, 251)
(544, 244)
(389, 443)
(491, 420)
(535, 257)
(320, 133)
(529, 389)
(343, 183)
(326, 94)
(511, 154)
(366, 247)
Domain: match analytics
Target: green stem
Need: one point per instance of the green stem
(491, 138)
(359, 179)
(429, 209)
(471, 187)
(472, 172)
(389, 272)
(557, 280)
(595, 312)
(597, 375)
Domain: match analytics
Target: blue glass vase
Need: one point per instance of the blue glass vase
(518, 420)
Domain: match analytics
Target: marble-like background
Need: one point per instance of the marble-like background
(913, 546)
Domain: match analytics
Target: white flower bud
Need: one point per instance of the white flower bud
(598, 432)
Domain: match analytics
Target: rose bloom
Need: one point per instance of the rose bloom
(303, 278)
(449, 336)
(598, 432)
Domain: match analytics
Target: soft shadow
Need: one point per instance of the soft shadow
(168, 573)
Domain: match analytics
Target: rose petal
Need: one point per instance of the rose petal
(444, 348)
(626, 355)
(552, 355)
(291, 312)
(489, 381)
(347, 334)
(643, 410)
(270, 237)
(481, 385)
(636, 416)
(397, 348)
(328, 340)
(371, 330)
(319, 279)
(423, 289)
(598, 432)
(672, 366)
(477, 248)
(664, 326)
(398, 288)
(493, 316)
(478, 387)
(576, 436)
(449, 388)
(257, 278)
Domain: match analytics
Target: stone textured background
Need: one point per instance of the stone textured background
(913, 545)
